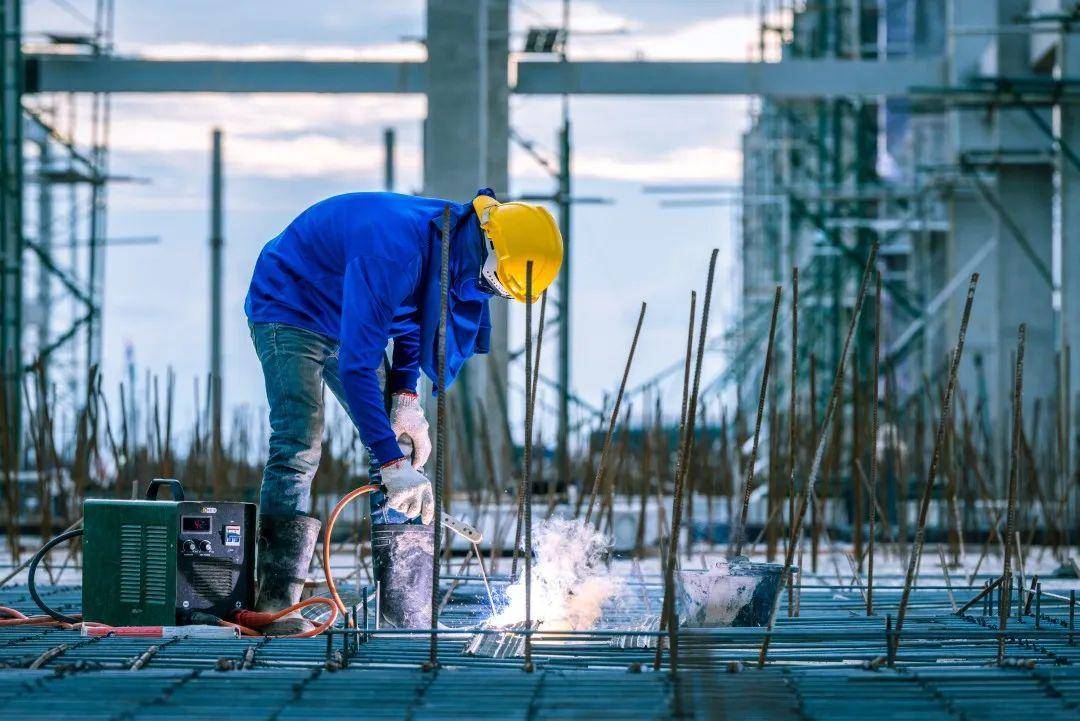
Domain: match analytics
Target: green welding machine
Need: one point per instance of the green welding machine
(159, 562)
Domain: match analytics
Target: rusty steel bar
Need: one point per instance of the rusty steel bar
(740, 532)
(874, 371)
(1014, 475)
(526, 471)
(819, 453)
(669, 559)
(935, 460)
(614, 416)
(684, 462)
(440, 433)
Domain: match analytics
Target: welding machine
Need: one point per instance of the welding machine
(155, 562)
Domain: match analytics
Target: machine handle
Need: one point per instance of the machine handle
(176, 486)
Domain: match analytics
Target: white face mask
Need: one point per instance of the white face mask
(489, 277)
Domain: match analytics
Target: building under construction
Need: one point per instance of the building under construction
(875, 502)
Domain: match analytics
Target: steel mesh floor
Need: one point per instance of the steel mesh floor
(945, 668)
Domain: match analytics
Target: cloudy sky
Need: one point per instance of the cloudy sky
(284, 152)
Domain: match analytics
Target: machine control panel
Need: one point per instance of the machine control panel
(216, 553)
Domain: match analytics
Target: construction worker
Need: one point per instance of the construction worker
(349, 275)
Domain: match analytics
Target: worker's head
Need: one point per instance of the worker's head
(514, 234)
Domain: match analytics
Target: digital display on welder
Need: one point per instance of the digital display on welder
(195, 524)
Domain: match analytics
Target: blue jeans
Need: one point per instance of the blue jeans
(296, 363)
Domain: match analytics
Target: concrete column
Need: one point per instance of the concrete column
(1023, 295)
(466, 136)
(1012, 289)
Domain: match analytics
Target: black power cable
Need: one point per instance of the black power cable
(33, 569)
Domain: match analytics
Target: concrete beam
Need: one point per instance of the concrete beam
(793, 78)
(53, 73)
(790, 78)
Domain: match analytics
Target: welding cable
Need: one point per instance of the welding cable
(250, 621)
(32, 587)
(330, 585)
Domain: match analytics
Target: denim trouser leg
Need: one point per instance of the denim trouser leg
(380, 512)
(295, 364)
(292, 361)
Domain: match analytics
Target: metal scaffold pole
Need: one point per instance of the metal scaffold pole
(11, 232)
(563, 449)
(217, 243)
(389, 141)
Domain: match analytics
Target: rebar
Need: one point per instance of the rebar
(874, 380)
(614, 416)
(793, 412)
(440, 432)
(526, 471)
(740, 533)
(935, 458)
(687, 451)
(670, 559)
(1014, 473)
(823, 433)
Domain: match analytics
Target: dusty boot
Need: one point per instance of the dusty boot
(286, 544)
(402, 555)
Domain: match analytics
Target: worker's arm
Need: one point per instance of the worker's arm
(405, 368)
(373, 289)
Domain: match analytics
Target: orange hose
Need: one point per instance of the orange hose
(260, 619)
(330, 585)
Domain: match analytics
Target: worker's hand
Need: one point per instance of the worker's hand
(408, 491)
(407, 420)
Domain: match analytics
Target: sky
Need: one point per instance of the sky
(284, 152)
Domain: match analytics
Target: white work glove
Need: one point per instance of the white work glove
(408, 491)
(407, 421)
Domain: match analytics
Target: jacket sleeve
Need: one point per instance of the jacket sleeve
(405, 369)
(373, 289)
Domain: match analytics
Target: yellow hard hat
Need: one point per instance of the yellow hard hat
(516, 233)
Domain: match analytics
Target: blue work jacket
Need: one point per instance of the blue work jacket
(363, 268)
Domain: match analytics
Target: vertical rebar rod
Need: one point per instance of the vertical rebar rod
(819, 452)
(740, 532)
(440, 433)
(669, 559)
(530, 399)
(793, 416)
(874, 395)
(684, 462)
(935, 460)
(1014, 474)
(526, 470)
(614, 416)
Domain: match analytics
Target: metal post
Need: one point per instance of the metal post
(1038, 605)
(45, 245)
(1072, 614)
(389, 139)
(217, 242)
(563, 443)
(11, 232)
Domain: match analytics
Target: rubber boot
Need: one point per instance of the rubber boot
(402, 555)
(286, 544)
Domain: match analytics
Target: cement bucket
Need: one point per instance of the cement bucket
(730, 593)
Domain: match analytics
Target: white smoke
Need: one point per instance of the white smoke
(570, 583)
